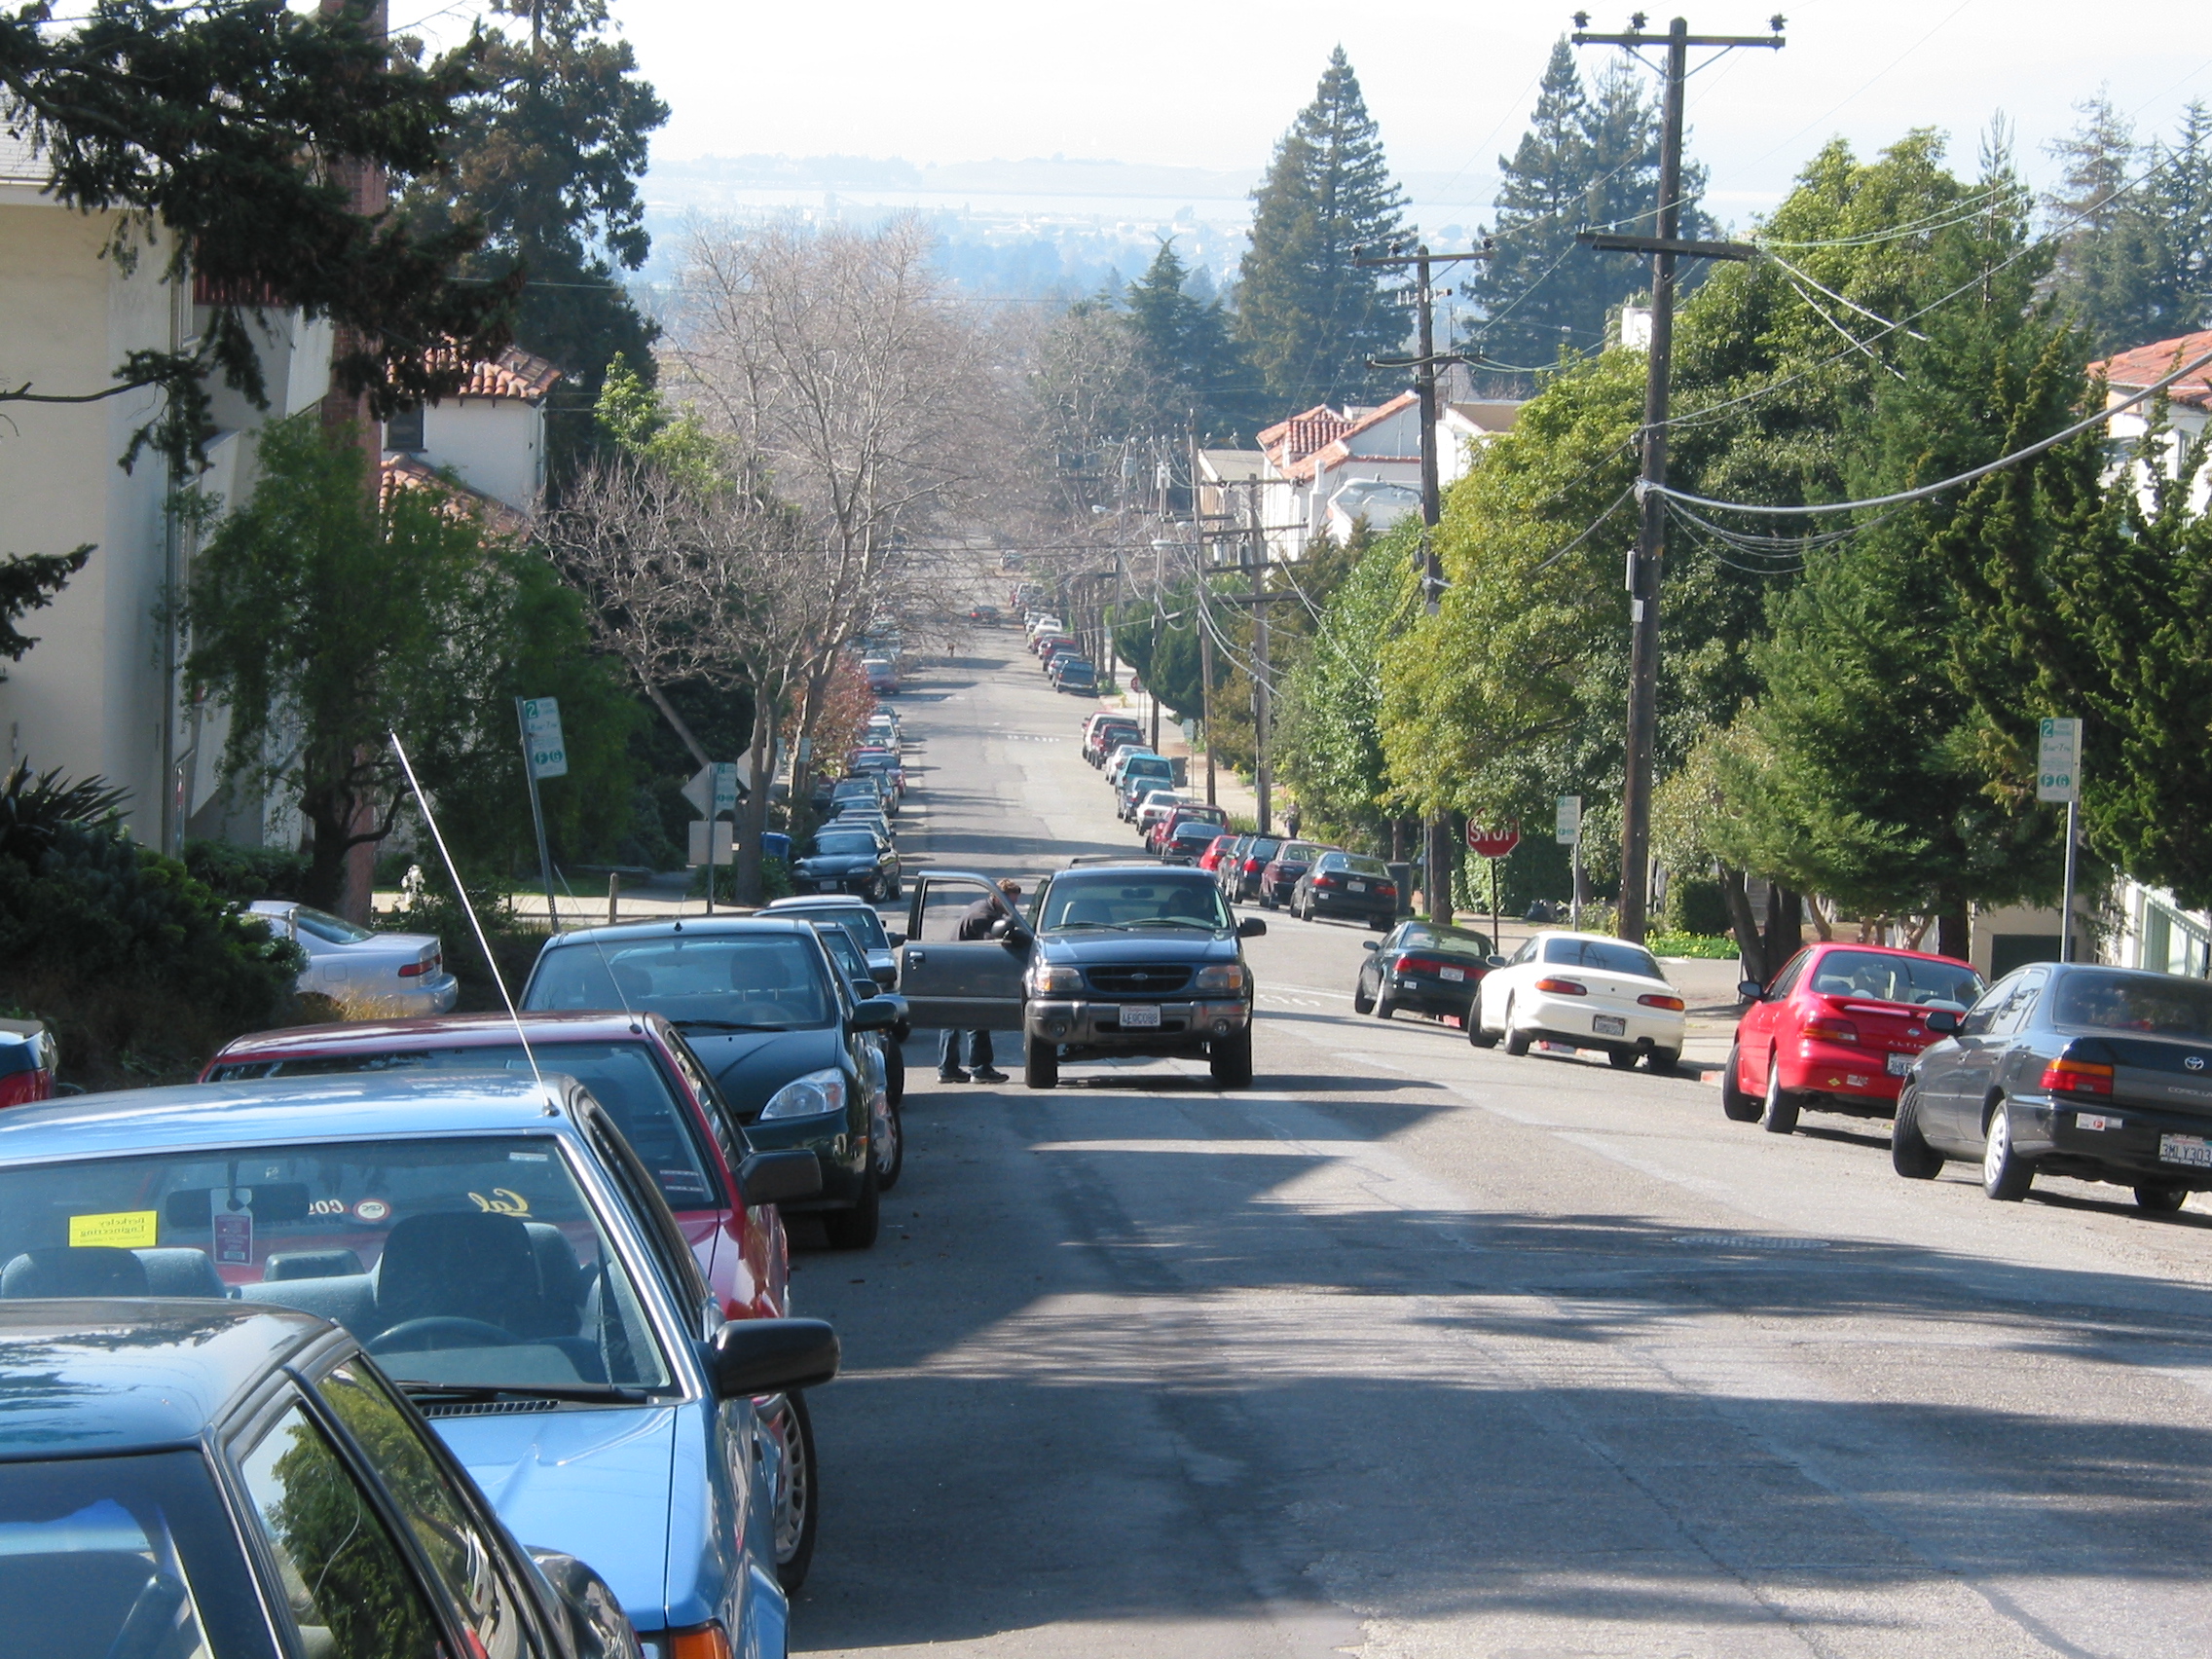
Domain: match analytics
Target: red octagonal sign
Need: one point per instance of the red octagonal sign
(1493, 843)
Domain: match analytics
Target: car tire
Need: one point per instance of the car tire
(1361, 1002)
(1230, 1060)
(889, 1169)
(1910, 1154)
(895, 1073)
(1622, 1059)
(1736, 1103)
(1516, 1042)
(1384, 1005)
(1661, 1062)
(1378, 924)
(1040, 1063)
(798, 1509)
(1477, 1036)
(1777, 1111)
(856, 1228)
(2161, 1200)
(2005, 1175)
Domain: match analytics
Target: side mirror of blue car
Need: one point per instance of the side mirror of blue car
(750, 1357)
(1251, 926)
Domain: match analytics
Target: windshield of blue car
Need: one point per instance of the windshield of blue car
(331, 930)
(1882, 977)
(1118, 901)
(625, 1077)
(86, 1543)
(472, 1260)
(1606, 957)
(2157, 1005)
(705, 982)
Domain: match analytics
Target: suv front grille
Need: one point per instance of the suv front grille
(1139, 979)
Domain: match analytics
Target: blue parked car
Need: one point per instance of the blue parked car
(146, 1440)
(501, 1254)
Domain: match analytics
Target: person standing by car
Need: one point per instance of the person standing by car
(1291, 821)
(982, 917)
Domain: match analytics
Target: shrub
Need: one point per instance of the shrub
(1695, 905)
(243, 874)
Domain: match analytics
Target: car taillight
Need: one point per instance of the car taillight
(1385, 890)
(704, 1642)
(1419, 965)
(1829, 1031)
(428, 964)
(1658, 1001)
(1324, 881)
(20, 1088)
(1253, 864)
(2068, 1076)
(1564, 987)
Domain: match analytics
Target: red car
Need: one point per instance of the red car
(638, 1067)
(1190, 812)
(28, 1058)
(1210, 859)
(1837, 1030)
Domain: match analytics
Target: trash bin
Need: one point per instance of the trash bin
(1402, 877)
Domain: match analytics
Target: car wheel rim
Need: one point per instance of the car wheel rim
(886, 1140)
(792, 1494)
(1773, 1086)
(1997, 1147)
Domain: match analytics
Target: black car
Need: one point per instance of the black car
(1189, 844)
(850, 859)
(148, 1441)
(1346, 884)
(1112, 959)
(1240, 876)
(2067, 1069)
(857, 917)
(1423, 968)
(766, 1010)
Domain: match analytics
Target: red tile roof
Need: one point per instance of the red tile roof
(407, 472)
(517, 373)
(1321, 437)
(2132, 370)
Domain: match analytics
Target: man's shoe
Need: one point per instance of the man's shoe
(990, 1074)
(951, 1074)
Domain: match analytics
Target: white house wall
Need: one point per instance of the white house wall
(496, 445)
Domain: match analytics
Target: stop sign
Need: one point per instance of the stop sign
(1493, 843)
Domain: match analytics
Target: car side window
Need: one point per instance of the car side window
(461, 1552)
(678, 1267)
(1527, 953)
(729, 1134)
(1979, 1016)
(1792, 971)
(345, 1580)
(2020, 1005)
(944, 905)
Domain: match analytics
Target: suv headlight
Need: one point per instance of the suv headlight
(808, 1096)
(1046, 981)
(1224, 976)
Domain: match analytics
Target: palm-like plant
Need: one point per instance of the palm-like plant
(34, 809)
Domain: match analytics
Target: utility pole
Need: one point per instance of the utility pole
(1263, 764)
(1644, 562)
(1201, 593)
(1437, 879)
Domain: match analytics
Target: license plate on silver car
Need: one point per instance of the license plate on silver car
(2193, 1150)
(1142, 1014)
(1898, 1065)
(1608, 1025)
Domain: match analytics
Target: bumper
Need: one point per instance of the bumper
(1423, 993)
(2127, 1151)
(1185, 1027)
(1856, 1078)
(1367, 906)
(434, 995)
(1572, 1020)
(837, 1144)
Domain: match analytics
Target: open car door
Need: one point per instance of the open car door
(951, 982)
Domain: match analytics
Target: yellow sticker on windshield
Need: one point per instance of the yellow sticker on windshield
(123, 1230)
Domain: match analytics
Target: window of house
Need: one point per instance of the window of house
(404, 429)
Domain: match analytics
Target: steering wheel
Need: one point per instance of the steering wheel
(440, 1331)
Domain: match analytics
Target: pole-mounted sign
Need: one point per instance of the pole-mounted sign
(2058, 777)
(545, 755)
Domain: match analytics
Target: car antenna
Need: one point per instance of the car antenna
(598, 945)
(430, 817)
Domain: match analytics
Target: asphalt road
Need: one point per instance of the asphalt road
(1414, 1349)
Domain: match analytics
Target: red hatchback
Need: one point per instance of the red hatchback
(1210, 859)
(1837, 1030)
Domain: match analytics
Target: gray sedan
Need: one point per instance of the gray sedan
(394, 973)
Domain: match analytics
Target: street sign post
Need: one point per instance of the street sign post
(1566, 829)
(1494, 845)
(713, 792)
(545, 755)
(2058, 777)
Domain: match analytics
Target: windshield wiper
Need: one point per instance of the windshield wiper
(722, 1026)
(603, 1392)
(1116, 926)
(1177, 922)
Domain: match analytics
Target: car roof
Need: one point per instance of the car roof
(260, 1112)
(113, 1376)
(1149, 868)
(1825, 945)
(681, 927)
(815, 901)
(459, 1030)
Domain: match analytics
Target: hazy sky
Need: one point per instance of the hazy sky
(1451, 84)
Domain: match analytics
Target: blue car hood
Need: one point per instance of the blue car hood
(594, 1484)
(748, 1066)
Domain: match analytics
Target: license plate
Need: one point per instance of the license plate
(1608, 1025)
(1356, 886)
(1898, 1065)
(1142, 1014)
(1454, 973)
(2193, 1150)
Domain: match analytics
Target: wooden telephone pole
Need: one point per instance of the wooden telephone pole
(1644, 562)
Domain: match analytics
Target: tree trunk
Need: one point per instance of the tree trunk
(1954, 929)
(755, 805)
(1744, 921)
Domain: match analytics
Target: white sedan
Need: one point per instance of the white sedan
(373, 973)
(1584, 990)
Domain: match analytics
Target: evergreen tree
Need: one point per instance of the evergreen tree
(1587, 159)
(1307, 317)
(549, 155)
(2135, 227)
(1184, 342)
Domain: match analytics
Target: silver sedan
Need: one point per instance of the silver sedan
(390, 973)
